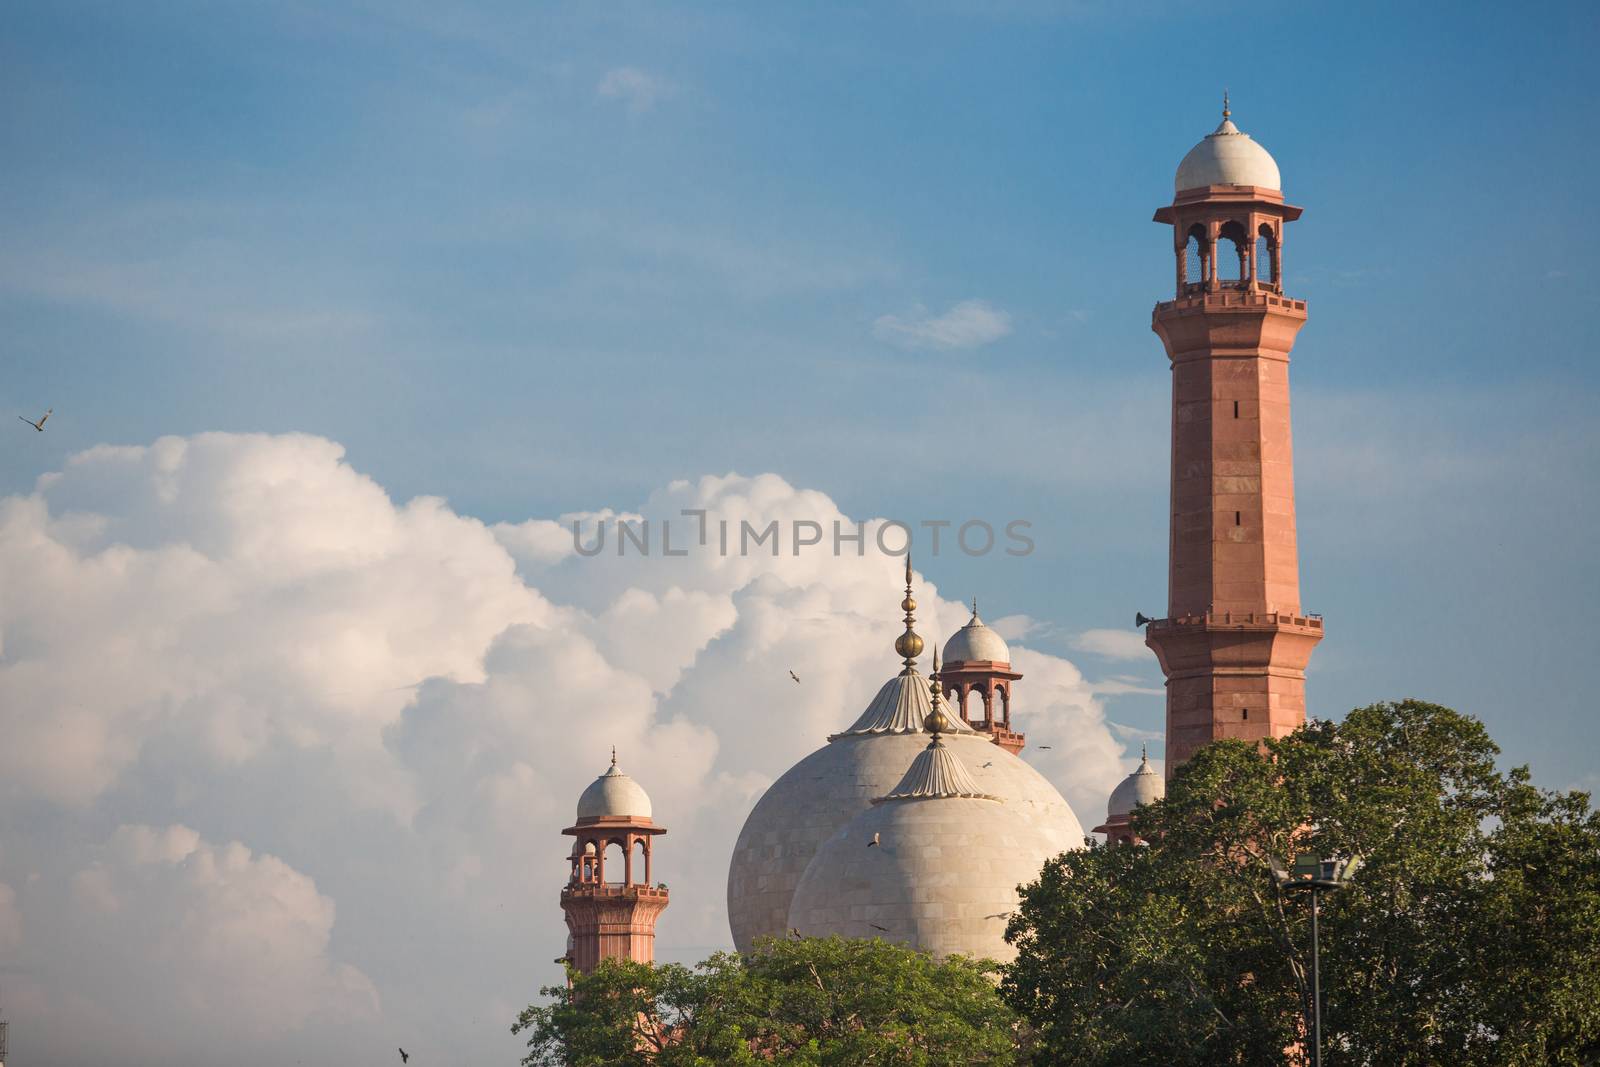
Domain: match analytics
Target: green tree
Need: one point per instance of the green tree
(812, 1001)
(1471, 935)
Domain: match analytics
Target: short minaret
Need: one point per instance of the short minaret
(1235, 641)
(610, 903)
(977, 664)
(1143, 786)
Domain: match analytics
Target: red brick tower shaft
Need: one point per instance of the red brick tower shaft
(1235, 642)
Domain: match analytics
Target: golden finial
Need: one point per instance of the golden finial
(613, 755)
(908, 644)
(1225, 111)
(936, 722)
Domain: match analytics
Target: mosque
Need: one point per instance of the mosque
(918, 821)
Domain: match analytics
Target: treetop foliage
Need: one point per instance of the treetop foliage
(1471, 935)
(831, 1002)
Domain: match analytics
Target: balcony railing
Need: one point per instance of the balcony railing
(1240, 619)
(1230, 296)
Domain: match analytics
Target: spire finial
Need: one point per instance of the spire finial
(1225, 111)
(974, 607)
(1144, 752)
(613, 755)
(908, 644)
(935, 722)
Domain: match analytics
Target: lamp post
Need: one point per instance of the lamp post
(1314, 875)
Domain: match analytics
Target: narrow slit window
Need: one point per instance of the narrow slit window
(1246, 713)
(1236, 409)
(1236, 516)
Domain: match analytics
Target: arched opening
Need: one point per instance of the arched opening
(1266, 256)
(641, 862)
(615, 863)
(1194, 258)
(1233, 259)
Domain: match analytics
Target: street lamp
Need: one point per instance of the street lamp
(1314, 875)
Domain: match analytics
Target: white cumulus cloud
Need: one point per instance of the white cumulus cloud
(968, 324)
(164, 944)
(289, 759)
(1114, 644)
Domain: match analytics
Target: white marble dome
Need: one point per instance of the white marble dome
(906, 888)
(938, 872)
(975, 643)
(1227, 156)
(1143, 786)
(614, 794)
(816, 797)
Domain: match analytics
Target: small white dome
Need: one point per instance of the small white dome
(975, 643)
(1227, 157)
(614, 794)
(1143, 786)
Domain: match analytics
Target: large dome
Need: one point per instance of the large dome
(943, 876)
(975, 643)
(935, 863)
(1227, 156)
(614, 795)
(830, 787)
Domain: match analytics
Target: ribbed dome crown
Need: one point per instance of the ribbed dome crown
(936, 772)
(900, 707)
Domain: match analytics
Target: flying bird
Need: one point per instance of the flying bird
(874, 842)
(36, 425)
(989, 764)
(795, 676)
(405, 1056)
(1044, 746)
(875, 926)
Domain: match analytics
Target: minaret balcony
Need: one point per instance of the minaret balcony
(613, 890)
(1242, 620)
(1199, 298)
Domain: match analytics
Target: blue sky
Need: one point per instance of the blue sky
(540, 258)
(536, 259)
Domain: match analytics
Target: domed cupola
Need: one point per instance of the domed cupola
(613, 795)
(977, 672)
(1143, 786)
(1227, 156)
(934, 863)
(837, 782)
(976, 643)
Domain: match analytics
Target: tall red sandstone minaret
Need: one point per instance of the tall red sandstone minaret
(610, 904)
(1235, 642)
